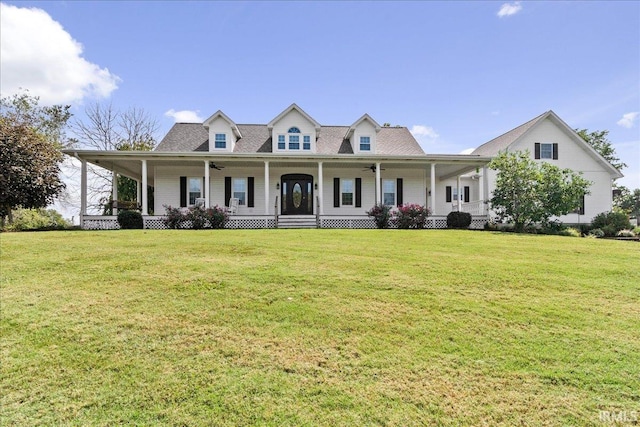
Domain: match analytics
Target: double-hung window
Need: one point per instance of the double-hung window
(389, 192)
(306, 142)
(221, 140)
(281, 142)
(195, 190)
(294, 142)
(365, 143)
(347, 192)
(240, 190)
(546, 151)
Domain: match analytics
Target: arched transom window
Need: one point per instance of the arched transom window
(293, 140)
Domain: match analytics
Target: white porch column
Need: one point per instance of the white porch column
(485, 190)
(206, 184)
(83, 192)
(433, 188)
(378, 185)
(145, 210)
(320, 189)
(114, 192)
(138, 192)
(459, 194)
(266, 187)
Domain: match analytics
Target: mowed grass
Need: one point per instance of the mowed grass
(317, 327)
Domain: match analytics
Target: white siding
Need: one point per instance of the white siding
(294, 118)
(220, 125)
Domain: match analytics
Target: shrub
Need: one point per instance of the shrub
(490, 226)
(625, 233)
(596, 232)
(552, 227)
(37, 219)
(412, 216)
(458, 220)
(611, 222)
(637, 231)
(381, 214)
(130, 220)
(195, 217)
(571, 232)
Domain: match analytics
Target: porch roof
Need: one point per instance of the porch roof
(128, 163)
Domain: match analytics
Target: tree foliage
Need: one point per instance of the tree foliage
(627, 201)
(528, 192)
(30, 140)
(599, 142)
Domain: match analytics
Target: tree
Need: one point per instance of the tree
(599, 142)
(627, 201)
(30, 140)
(528, 192)
(108, 129)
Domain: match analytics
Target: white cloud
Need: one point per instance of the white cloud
(184, 116)
(37, 54)
(628, 120)
(509, 9)
(426, 131)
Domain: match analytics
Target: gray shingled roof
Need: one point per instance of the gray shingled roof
(185, 137)
(500, 143)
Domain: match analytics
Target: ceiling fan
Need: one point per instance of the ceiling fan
(372, 168)
(216, 167)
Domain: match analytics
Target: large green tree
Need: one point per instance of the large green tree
(598, 141)
(528, 192)
(628, 201)
(30, 140)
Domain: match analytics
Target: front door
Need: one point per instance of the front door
(297, 194)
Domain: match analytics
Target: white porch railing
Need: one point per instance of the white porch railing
(478, 207)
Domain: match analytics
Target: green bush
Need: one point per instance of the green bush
(571, 232)
(611, 222)
(195, 218)
(381, 214)
(596, 232)
(37, 219)
(130, 220)
(458, 220)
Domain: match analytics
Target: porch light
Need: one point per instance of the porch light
(277, 185)
(315, 186)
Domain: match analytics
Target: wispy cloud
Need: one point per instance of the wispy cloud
(39, 55)
(628, 120)
(509, 9)
(184, 116)
(425, 131)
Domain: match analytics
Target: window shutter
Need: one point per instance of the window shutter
(250, 185)
(399, 191)
(448, 193)
(537, 150)
(466, 194)
(358, 192)
(227, 190)
(183, 191)
(581, 209)
(555, 151)
(336, 192)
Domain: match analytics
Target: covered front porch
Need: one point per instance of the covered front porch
(328, 191)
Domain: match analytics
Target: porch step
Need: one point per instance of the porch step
(297, 221)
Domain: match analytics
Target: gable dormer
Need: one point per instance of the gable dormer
(294, 131)
(223, 133)
(363, 135)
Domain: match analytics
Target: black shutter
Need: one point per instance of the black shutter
(358, 192)
(466, 194)
(581, 209)
(336, 192)
(448, 193)
(537, 150)
(227, 190)
(250, 202)
(183, 191)
(399, 191)
(555, 151)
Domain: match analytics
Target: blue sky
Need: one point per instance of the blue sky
(457, 73)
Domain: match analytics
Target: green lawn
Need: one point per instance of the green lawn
(317, 327)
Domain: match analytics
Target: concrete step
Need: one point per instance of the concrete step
(297, 221)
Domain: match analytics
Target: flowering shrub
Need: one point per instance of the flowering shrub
(412, 216)
(381, 214)
(195, 217)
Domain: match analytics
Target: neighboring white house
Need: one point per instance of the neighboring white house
(295, 171)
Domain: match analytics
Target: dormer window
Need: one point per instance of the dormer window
(281, 142)
(294, 142)
(365, 143)
(306, 144)
(293, 130)
(221, 140)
